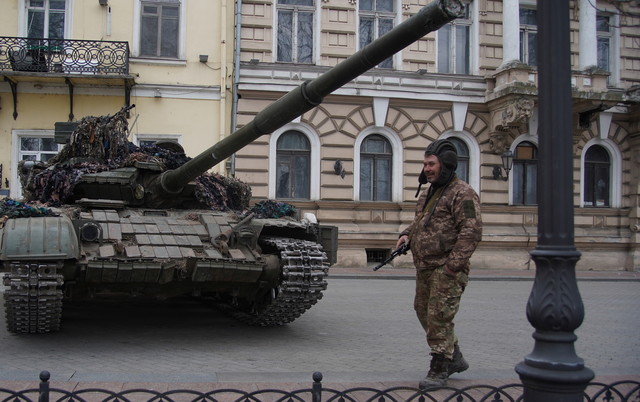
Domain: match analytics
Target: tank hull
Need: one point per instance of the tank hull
(263, 271)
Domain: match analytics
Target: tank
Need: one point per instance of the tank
(116, 221)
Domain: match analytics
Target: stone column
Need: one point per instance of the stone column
(510, 31)
(634, 196)
(588, 56)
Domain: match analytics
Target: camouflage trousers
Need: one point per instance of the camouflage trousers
(436, 303)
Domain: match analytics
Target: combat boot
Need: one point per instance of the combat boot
(458, 363)
(438, 373)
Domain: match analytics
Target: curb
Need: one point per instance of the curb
(590, 276)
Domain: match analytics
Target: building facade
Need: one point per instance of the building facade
(61, 60)
(354, 160)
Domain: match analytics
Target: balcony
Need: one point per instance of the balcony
(72, 62)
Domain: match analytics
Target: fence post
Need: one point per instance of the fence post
(44, 386)
(316, 390)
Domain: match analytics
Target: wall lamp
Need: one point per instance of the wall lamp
(338, 168)
(507, 164)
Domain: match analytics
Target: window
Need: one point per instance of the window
(529, 36)
(149, 140)
(293, 166)
(462, 171)
(453, 46)
(604, 42)
(159, 28)
(45, 19)
(376, 19)
(37, 148)
(607, 49)
(375, 169)
(295, 31)
(597, 168)
(524, 174)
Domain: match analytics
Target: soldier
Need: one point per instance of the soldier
(444, 233)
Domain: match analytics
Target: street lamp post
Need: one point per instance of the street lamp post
(553, 371)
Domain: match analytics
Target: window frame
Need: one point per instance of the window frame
(23, 16)
(474, 155)
(524, 31)
(593, 167)
(397, 165)
(512, 190)
(137, 138)
(452, 56)
(296, 10)
(137, 30)
(314, 193)
(463, 160)
(378, 15)
(612, 37)
(16, 138)
(377, 156)
(290, 156)
(615, 171)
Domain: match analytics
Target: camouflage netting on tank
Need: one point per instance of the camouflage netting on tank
(274, 209)
(15, 209)
(99, 144)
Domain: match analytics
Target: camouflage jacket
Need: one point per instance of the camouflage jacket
(452, 233)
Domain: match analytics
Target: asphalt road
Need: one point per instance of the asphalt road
(362, 330)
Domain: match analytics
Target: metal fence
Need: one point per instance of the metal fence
(42, 55)
(623, 391)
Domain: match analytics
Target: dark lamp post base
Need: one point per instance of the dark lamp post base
(561, 385)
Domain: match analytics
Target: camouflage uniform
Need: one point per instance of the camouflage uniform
(441, 245)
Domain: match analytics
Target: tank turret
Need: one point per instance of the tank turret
(125, 221)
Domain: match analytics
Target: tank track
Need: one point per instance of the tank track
(33, 298)
(304, 270)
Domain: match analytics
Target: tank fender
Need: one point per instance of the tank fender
(49, 237)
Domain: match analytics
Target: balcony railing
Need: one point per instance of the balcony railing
(40, 55)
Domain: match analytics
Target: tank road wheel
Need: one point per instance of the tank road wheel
(33, 298)
(303, 279)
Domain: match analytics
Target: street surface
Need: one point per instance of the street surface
(362, 330)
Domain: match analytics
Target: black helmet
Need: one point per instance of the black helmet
(448, 156)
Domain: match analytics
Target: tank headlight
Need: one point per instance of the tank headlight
(90, 231)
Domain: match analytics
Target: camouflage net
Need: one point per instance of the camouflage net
(99, 144)
(15, 209)
(274, 209)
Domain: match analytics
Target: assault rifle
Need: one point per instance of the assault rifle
(404, 247)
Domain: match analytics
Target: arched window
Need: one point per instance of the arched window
(293, 166)
(597, 169)
(462, 171)
(375, 169)
(525, 174)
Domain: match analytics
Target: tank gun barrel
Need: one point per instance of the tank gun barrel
(311, 93)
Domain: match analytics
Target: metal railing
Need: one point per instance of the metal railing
(623, 391)
(41, 55)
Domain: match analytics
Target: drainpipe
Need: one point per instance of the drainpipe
(236, 79)
(223, 76)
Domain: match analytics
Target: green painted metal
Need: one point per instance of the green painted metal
(40, 238)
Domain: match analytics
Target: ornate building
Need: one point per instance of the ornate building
(354, 160)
